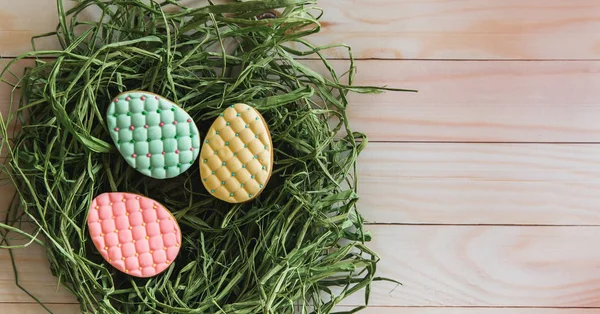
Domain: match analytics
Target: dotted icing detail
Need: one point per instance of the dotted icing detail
(153, 134)
(135, 234)
(236, 160)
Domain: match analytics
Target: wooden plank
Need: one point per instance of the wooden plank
(32, 266)
(471, 29)
(502, 101)
(23, 19)
(6, 91)
(7, 191)
(28, 308)
(31, 263)
(473, 101)
(415, 183)
(416, 29)
(467, 310)
(34, 275)
(486, 266)
(444, 183)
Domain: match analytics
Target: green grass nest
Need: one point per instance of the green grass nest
(299, 247)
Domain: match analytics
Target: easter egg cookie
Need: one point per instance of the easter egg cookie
(154, 135)
(135, 234)
(236, 160)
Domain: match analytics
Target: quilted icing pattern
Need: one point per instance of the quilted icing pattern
(135, 234)
(154, 135)
(236, 160)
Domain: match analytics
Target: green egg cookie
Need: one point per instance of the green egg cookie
(154, 135)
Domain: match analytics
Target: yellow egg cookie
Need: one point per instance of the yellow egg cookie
(236, 160)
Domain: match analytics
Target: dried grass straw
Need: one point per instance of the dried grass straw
(299, 246)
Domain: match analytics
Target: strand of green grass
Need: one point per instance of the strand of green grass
(299, 246)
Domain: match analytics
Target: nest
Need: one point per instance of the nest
(299, 246)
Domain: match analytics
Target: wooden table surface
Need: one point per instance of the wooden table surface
(482, 190)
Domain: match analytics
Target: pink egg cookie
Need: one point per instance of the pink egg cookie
(135, 234)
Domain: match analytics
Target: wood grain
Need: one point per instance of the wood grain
(474, 183)
(34, 275)
(23, 19)
(469, 29)
(31, 263)
(24, 308)
(10, 79)
(486, 266)
(7, 191)
(489, 266)
(466, 310)
(438, 204)
(471, 101)
(478, 183)
(415, 29)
